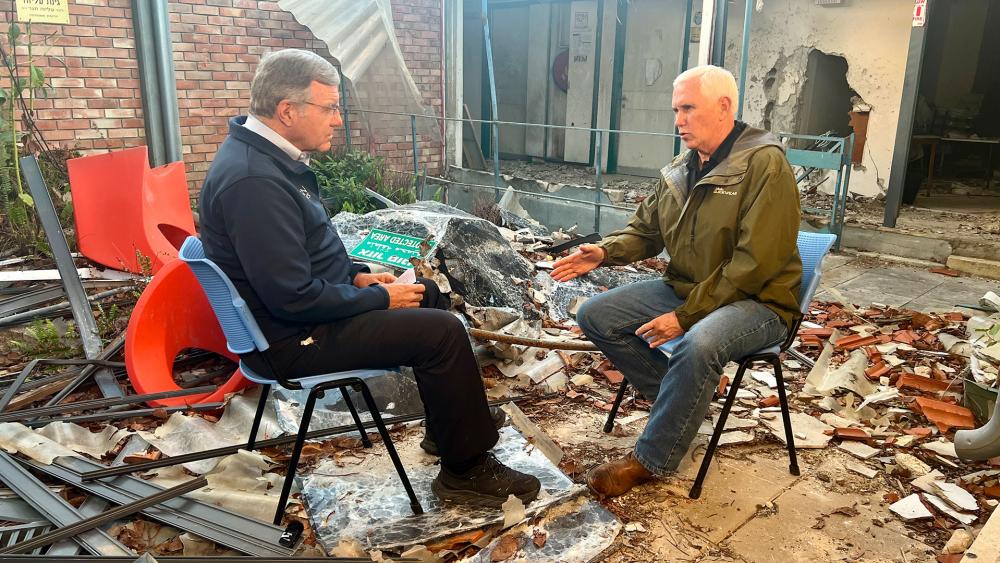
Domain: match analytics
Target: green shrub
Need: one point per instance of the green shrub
(344, 174)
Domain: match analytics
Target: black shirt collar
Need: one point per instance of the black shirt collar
(718, 156)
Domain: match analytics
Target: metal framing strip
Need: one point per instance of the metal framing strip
(226, 528)
(55, 509)
(57, 309)
(82, 313)
(88, 524)
(16, 384)
(13, 535)
(104, 472)
(111, 350)
(102, 403)
(118, 415)
(29, 300)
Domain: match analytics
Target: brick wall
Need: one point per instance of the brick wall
(95, 102)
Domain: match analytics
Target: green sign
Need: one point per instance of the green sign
(388, 248)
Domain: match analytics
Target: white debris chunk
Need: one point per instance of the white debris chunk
(809, 432)
(859, 450)
(910, 508)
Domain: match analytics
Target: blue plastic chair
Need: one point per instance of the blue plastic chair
(243, 337)
(812, 248)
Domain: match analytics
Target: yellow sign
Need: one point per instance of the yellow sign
(43, 11)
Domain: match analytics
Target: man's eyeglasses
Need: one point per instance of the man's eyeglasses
(332, 108)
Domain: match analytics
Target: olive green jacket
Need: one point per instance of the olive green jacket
(734, 238)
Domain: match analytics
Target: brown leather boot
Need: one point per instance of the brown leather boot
(617, 477)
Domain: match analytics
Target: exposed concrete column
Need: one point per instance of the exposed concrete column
(538, 82)
(454, 78)
(705, 42)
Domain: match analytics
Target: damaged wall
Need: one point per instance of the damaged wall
(872, 36)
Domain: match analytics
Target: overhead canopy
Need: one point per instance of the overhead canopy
(360, 35)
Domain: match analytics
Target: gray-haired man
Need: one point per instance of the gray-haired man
(263, 223)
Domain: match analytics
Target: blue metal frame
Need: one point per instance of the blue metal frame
(837, 158)
(490, 71)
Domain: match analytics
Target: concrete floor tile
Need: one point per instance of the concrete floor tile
(897, 282)
(839, 275)
(803, 528)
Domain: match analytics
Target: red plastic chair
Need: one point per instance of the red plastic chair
(173, 314)
(124, 209)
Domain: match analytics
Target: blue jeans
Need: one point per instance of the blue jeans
(679, 387)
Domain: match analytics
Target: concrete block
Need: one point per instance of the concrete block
(887, 241)
(975, 266)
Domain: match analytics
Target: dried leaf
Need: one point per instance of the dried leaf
(505, 549)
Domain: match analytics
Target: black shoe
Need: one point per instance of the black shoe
(430, 446)
(487, 484)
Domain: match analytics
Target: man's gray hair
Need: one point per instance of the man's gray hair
(715, 82)
(287, 75)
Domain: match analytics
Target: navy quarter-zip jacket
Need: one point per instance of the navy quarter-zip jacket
(263, 223)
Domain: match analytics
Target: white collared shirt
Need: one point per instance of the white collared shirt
(258, 127)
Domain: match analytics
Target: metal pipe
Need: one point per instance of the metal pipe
(261, 444)
(719, 32)
(596, 94)
(416, 153)
(149, 88)
(345, 109)
(167, 82)
(744, 51)
(114, 514)
(598, 146)
(488, 45)
(981, 443)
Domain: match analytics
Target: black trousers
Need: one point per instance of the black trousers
(430, 340)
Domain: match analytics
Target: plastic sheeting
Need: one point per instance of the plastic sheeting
(366, 503)
(477, 261)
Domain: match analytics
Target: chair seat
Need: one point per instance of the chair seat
(312, 380)
(668, 348)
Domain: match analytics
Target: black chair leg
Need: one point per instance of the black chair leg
(300, 440)
(717, 433)
(261, 404)
(793, 464)
(365, 441)
(610, 424)
(387, 440)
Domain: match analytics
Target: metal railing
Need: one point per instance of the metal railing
(597, 154)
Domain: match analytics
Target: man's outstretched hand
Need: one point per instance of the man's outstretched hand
(588, 257)
(364, 280)
(660, 330)
(404, 295)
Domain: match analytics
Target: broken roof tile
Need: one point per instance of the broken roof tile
(944, 415)
(919, 382)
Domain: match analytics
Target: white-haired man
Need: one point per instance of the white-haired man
(727, 213)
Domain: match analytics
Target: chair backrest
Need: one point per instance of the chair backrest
(242, 333)
(812, 248)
